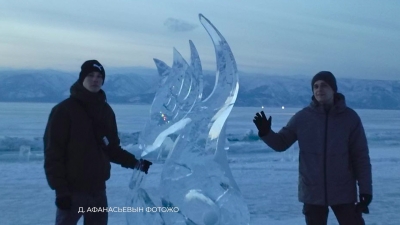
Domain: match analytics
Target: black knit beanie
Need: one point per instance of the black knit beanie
(327, 77)
(91, 66)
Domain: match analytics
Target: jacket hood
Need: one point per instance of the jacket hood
(79, 92)
(339, 104)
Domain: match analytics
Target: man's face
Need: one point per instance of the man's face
(93, 82)
(323, 93)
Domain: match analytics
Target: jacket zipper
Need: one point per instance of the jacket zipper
(325, 153)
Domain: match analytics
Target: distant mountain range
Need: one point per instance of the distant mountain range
(139, 86)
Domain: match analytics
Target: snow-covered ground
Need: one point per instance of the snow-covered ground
(268, 180)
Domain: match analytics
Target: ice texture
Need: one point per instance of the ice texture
(196, 176)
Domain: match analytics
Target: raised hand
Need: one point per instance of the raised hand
(262, 123)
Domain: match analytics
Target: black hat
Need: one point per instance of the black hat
(327, 77)
(91, 66)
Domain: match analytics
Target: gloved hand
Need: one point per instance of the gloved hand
(262, 123)
(143, 165)
(362, 206)
(64, 202)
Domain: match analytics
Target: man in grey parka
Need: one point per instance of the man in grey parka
(333, 156)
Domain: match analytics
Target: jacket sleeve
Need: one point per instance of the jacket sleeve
(114, 151)
(282, 140)
(360, 160)
(55, 146)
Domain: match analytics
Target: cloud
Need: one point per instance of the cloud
(177, 25)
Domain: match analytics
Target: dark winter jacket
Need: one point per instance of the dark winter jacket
(333, 153)
(76, 157)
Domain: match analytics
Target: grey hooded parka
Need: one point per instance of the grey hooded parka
(333, 153)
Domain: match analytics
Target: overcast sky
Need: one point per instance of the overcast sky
(357, 38)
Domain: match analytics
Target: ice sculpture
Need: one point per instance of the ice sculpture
(196, 177)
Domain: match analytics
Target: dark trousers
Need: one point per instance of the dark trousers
(346, 214)
(81, 202)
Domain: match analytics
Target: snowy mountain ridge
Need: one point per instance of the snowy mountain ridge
(139, 88)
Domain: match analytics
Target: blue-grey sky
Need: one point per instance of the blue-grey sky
(357, 38)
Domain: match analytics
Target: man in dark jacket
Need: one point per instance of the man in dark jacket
(333, 155)
(80, 141)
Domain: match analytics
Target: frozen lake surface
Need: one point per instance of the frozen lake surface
(267, 179)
